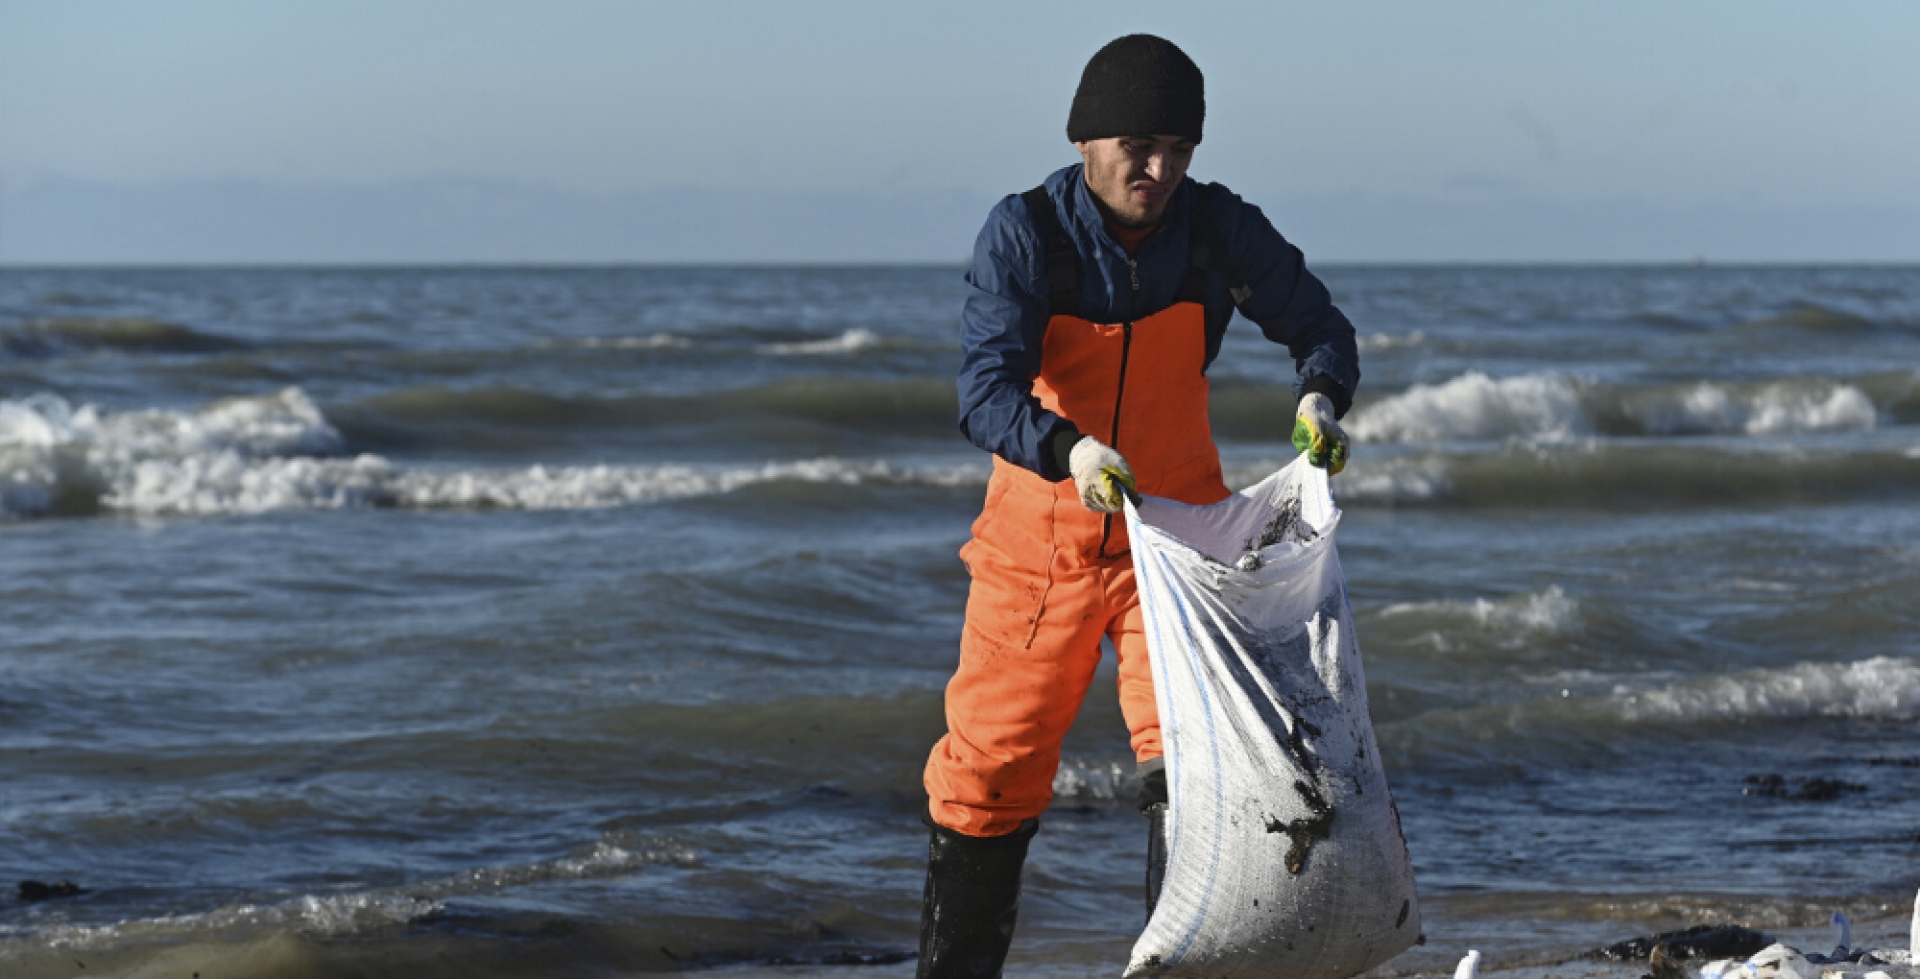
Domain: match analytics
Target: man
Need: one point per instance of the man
(1097, 302)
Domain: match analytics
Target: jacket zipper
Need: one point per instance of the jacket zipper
(1120, 389)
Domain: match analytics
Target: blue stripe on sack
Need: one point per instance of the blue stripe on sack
(1153, 569)
(1147, 561)
(1187, 621)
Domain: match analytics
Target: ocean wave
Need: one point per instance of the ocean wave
(1512, 621)
(1635, 475)
(251, 455)
(1813, 318)
(1578, 713)
(1397, 481)
(1548, 407)
(278, 451)
(654, 341)
(1475, 406)
(49, 337)
(767, 342)
(445, 416)
(1392, 341)
(1776, 408)
(1619, 475)
(1371, 481)
(595, 487)
(1881, 688)
(54, 456)
(1895, 393)
(852, 341)
(352, 914)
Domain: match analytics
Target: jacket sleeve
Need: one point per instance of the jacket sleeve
(1288, 303)
(1003, 325)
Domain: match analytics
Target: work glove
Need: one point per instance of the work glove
(1101, 475)
(1316, 433)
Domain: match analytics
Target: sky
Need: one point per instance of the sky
(578, 131)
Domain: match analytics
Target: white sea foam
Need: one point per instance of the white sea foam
(333, 916)
(604, 859)
(1516, 617)
(1773, 409)
(588, 487)
(270, 453)
(1554, 407)
(227, 482)
(281, 423)
(1474, 406)
(1884, 687)
(1392, 341)
(1367, 480)
(657, 341)
(1101, 781)
(852, 341)
(48, 448)
(1395, 481)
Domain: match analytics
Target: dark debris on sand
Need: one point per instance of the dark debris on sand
(1819, 788)
(1698, 942)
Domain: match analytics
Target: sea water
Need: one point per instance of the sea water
(516, 622)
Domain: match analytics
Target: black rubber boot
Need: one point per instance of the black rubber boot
(973, 895)
(1153, 805)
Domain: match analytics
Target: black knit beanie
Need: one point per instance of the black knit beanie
(1138, 85)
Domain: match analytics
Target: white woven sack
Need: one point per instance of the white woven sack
(1284, 851)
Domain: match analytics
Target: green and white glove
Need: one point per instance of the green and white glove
(1316, 433)
(1101, 475)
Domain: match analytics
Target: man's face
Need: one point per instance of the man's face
(1134, 176)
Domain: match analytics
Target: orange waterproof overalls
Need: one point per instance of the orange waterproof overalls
(1051, 578)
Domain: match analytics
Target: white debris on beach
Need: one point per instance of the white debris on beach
(1780, 961)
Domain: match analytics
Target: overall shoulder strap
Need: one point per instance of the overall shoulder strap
(1207, 254)
(1062, 261)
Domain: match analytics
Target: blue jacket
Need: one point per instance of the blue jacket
(1005, 317)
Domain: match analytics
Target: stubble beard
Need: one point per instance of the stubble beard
(1147, 216)
(1147, 219)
